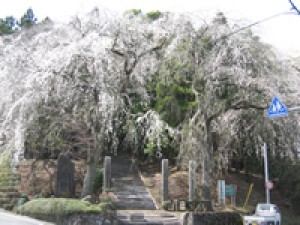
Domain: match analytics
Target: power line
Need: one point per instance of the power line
(291, 11)
(255, 23)
(294, 7)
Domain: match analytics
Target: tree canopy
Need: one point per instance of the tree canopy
(10, 24)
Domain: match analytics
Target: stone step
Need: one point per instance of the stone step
(147, 218)
(140, 195)
(134, 205)
(129, 187)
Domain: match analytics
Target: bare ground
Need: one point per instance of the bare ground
(178, 189)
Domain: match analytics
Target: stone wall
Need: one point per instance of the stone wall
(214, 218)
(90, 219)
(38, 177)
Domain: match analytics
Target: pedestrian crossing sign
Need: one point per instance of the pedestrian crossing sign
(277, 109)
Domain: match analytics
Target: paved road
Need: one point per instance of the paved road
(7, 218)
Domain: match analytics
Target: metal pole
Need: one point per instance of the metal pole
(297, 108)
(266, 173)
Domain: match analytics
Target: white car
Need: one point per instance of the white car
(265, 214)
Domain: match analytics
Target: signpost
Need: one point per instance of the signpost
(269, 185)
(277, 109)
(266, 173)
(230, 191)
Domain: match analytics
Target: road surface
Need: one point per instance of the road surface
(7, 218)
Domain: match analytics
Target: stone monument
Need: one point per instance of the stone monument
(65, 183)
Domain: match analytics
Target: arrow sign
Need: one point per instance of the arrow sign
(277, 109)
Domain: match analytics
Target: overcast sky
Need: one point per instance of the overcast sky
(282, 32)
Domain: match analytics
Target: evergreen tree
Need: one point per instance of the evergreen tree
(28, 19)
(7, 25)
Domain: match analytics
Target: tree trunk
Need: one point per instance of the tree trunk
(206, 163)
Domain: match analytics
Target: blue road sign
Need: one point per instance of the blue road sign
(230, 190)
(277, 109)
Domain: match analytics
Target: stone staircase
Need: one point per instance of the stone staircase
(128, 186)
(135, 205)
(9, 186)
(149, 217)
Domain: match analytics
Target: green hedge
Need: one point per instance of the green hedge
(53, 209)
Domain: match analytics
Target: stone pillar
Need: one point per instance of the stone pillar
(65, 181)
(192, 180)
(165, 176)
(221, 193)
(107, 173)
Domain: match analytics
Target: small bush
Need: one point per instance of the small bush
(136, 12)
(106, 200)
(98, 180)
(154, 15)
(50, 209)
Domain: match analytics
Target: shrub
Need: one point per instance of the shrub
(154, 15)
(98, 180)
(54, 208)
(136, 12)
(106, 201)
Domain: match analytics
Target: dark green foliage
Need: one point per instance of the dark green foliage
(98, 180)
(295, 199)
(10, 24)
(287, 178)
(137, 103)
(28, 19)
(137, 108)
(7, 25)
(226, 91)
(200, 84)
(136, 12)
(151, 148)
(174, 102)
(154, 15)
(174, 98)
(253, 164)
